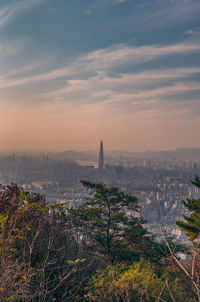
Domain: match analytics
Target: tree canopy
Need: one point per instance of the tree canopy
(110, 227)
(99, 251)
(39, 257)
(191, 224)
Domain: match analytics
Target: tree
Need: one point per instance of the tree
(108, 225)
(136, 282)
(14, 273)
(190, 269)
(191, 225)
(40, 258)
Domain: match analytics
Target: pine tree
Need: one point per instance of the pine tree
(109, 227)
(191, 224)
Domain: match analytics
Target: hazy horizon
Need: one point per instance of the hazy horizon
(124, 71)
(94, 150)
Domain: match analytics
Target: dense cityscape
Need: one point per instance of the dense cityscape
(159, 184)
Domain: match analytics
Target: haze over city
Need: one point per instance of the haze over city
(75, 72)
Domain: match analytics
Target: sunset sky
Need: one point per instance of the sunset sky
(73, 72)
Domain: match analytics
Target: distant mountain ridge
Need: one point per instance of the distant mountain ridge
(177, 154)
(75, 155)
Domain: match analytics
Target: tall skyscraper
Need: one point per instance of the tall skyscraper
(101, 156)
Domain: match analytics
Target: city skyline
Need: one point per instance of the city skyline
(124, 71)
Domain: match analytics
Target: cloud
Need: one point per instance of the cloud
(26, 68)
(129, 94)
(9, 49)
(113, 91)
(169, 13)
(93, 83)
(118, 55)
(114, 2)
(103, 83)
(105, 60)
(8, 13)
(193, 33)
(102, 4)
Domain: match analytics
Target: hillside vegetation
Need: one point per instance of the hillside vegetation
(99, 251)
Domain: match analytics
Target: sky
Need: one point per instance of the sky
(75, 72)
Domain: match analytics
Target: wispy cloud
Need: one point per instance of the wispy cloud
(193, 33)
(93, 82)
(102, 4)
(24, 69)
(170, 13)
(102, 85)
(163, 101)
(120, 54)
(105, 60)
(94, 91)
(9, 49)
(9, 12)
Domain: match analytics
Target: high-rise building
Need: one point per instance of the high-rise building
(101, 157)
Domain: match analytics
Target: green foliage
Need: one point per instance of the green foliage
(76, 261)
(46, 255)
(3, 220)
(35, 245)
(106, 218)
(110, 229)
(137, 282)
(191, 224)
